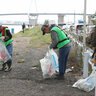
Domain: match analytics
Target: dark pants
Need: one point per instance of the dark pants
(63, 56)
(10, 49)
(23, 30)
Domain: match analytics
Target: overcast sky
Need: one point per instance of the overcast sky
(65, 6)
(13, 6)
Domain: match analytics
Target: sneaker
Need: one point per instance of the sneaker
(8, 69)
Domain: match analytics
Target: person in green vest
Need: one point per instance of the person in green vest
(61, 41)
(8, 43)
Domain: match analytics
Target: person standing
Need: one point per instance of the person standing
(23, 27)
(8, 43)
(91, 40)
(61, 41)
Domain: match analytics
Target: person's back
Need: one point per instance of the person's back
(23, 26)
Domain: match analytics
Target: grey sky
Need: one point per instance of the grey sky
(28, 6)
(13, 6)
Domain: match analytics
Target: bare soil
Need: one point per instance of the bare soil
(25, 78)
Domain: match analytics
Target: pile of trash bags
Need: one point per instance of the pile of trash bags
(88, 83)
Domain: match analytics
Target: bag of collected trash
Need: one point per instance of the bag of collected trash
(55, 59)
(4, 55)
(49, 64)
(86, 84)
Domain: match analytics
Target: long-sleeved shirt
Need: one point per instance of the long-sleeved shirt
(54, 38)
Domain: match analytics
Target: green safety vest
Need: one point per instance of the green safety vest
(6, 42)
(62, 37)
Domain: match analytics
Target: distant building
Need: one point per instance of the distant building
(60, 19)
(32, 22)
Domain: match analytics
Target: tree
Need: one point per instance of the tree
(94, 19)
(46, 22)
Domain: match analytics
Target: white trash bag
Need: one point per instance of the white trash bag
(55, 59)
(49, 64)
(4, 55)
(86, 84)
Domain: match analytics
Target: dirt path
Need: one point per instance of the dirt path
(25, 79)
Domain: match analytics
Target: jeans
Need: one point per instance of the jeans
(63, 56)
(10, 50)
(23, 30)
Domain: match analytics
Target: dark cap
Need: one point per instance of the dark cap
(43, 28)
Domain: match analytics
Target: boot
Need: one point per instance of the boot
(9, 67)
(3, 67)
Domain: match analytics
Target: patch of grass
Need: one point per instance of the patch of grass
(36, 34)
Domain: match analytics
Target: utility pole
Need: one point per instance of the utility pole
(84, 35)
(74, 17)
(85, 53)
(32, 17)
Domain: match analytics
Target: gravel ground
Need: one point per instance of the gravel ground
(26, 79)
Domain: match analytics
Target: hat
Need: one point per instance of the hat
(43, 28)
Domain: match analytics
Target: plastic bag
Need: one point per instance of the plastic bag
(86, 84)
(4, 55)
(48, 64)
(55, 59)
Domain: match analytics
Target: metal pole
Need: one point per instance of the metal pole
(95, 90)
(74, 17)
(84, 36)
(85, 56)
(85, 66)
